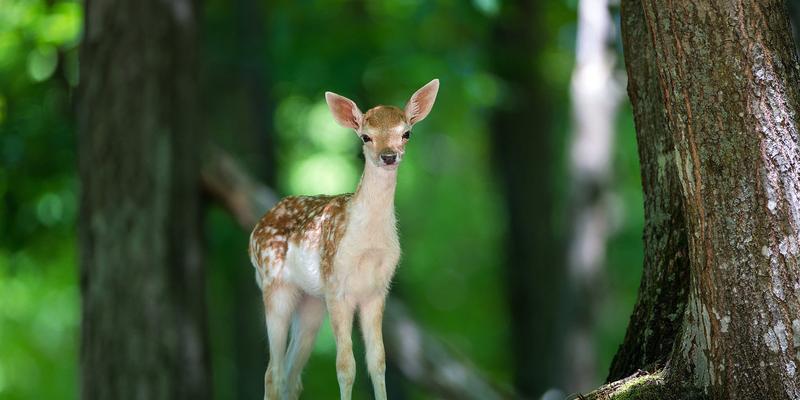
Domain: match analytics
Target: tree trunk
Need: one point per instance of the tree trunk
(142, 279)
(523, 140)
(727, 95)
(596, 94)
(249, 333)
(655, 321)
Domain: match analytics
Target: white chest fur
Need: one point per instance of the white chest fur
(367, 256)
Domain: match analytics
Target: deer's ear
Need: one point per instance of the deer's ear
(421, 102)
(344, 111)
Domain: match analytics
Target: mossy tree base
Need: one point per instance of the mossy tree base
(644, 386)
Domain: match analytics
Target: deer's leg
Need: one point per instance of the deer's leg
(307, 318)
(279, 303)
(341, 312)
(371, 317)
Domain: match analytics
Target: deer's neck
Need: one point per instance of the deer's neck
(373, 201)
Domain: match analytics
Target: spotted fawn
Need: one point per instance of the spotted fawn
(339, 253)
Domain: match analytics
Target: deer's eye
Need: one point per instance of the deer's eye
(366, 139)
(407, 135)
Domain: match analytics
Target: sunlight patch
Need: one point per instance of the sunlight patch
(323, 174)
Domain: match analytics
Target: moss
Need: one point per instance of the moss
(643, 386)
(637, 387)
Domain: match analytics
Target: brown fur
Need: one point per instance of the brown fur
(316, 221)
(384, 117)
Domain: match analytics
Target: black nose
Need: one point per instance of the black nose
(389, 159)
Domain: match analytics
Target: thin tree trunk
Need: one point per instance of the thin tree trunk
(728, 83)
(249, 332)
(142, 280)
(254, 77)
(522, 134)
(656, 317)
(595, 100)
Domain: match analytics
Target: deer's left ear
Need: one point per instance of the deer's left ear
(421, 102)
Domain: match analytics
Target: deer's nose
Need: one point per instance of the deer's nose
(389, 158)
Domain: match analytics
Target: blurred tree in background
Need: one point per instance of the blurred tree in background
(482, 197)
(142, 275)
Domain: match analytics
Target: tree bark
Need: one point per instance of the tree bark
(728, 83)
(142, 279)
(523, 143)
(656, 317)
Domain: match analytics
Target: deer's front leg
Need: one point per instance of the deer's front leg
(371, 320)
(341, 312)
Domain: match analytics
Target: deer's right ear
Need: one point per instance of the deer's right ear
(344, 111)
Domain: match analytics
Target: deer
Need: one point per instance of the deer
(336, 254)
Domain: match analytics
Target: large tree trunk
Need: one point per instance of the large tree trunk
(523, 140)
(727, 96)
(142, 279)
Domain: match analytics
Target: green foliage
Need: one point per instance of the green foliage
(38, 321)
(38, 281)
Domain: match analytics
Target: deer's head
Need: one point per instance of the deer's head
(384, 130)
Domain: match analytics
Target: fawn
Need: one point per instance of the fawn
(336, 252)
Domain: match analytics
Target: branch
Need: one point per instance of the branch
(421, 357)
(227, 183)
(426, 361)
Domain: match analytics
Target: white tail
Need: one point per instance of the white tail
(336, 252)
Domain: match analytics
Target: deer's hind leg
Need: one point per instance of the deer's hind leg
(280, 300)
(307, 318)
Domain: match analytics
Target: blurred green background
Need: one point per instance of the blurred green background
(264, 69)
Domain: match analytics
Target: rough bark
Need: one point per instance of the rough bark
(728, 81)
(656, 317)
(595, 99)
(523, 142)
(419, 356)
(141, 275)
